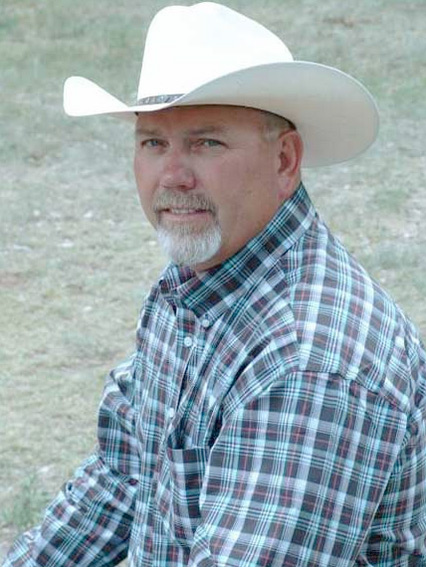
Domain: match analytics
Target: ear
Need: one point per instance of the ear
(290, 152)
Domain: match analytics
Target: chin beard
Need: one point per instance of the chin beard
(189, 248)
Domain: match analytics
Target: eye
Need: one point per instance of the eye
(155, 145)
(151, 143)
(208, 143)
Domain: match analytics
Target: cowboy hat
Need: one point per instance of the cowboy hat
(209, 54)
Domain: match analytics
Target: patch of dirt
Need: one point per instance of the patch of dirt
(11, 280)
(346, 22)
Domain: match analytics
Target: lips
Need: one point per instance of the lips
(184, 211)
(184, 214)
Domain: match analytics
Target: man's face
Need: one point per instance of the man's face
(208, 179)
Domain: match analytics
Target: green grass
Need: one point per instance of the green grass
(25, 509)
(76, 254)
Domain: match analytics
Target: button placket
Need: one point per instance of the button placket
(171, 412)
(184, 325)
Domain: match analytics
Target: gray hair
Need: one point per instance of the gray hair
(274, 124)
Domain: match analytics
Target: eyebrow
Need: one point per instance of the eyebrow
(202, 131)
(208, 129)
(149, 132)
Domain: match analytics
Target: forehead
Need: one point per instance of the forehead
(205, 117)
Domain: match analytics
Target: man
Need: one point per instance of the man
(273, 413)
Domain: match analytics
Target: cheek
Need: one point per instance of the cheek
(230, 194)
(237, 185)
(247, 198)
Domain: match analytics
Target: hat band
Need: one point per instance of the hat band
(159, 99)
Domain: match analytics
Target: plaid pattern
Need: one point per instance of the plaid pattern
(273, 414)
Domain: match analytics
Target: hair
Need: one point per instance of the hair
(274, 124)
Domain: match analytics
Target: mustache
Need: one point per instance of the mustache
(186, 200)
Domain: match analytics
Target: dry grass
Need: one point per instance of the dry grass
(76, 255)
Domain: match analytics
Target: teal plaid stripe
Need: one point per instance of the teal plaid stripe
(273, 414)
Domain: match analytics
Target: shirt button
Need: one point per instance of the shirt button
(205, 323)
(187, 341)
(170, 413)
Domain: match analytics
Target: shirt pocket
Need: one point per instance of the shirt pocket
(180, 477)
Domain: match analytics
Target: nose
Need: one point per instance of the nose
(177, 171)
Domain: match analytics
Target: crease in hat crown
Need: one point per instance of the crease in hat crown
(208, 54)
(187, 46)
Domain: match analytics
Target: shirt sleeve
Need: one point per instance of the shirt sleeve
(295, 476)
(89, 521)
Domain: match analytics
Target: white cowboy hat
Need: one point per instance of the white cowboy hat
(210, 54)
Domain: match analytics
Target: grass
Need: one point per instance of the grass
(76, 254)
(25, 510)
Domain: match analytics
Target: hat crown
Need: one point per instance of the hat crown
(187, 46)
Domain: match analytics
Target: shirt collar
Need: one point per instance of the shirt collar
(211, 292)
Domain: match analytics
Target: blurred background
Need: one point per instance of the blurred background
(76, 253)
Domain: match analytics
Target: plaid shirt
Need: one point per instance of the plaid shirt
(273, 414)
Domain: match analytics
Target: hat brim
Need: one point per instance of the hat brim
(334, 113)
